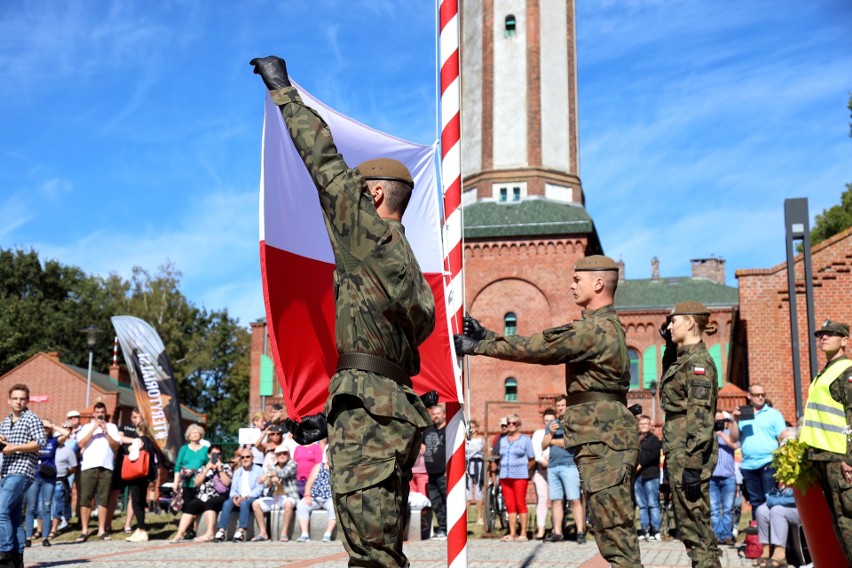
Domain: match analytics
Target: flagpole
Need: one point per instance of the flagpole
(450, 113)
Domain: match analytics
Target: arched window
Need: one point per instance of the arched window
(510, 324)
(510, 26)
(511, 386)
(634, 368)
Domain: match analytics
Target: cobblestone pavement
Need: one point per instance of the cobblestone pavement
(482, 553)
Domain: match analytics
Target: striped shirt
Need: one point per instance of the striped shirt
(28, 428)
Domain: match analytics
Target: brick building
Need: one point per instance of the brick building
(57, 387)
(762, 329)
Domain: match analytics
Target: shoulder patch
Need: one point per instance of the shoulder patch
(699, 370)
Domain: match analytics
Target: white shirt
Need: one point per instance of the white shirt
(98, 453)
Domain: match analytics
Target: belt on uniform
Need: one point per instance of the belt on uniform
(576, 398)
(375, 364)
(673, 415)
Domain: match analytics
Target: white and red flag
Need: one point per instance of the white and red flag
(297, 262)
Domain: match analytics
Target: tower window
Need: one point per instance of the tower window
(511, 389)
(516, 194)
(634, 368)
(510, 324)
(504, 194)
(510, 26)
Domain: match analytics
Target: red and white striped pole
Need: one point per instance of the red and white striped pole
(448, 51)
(115, 351)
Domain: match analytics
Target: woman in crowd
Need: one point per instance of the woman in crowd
(774, 518)
(192, 456)
(317, 496)
(40, 494)
(138, 487)
(517, 460)
(271, 438)
(307, 457)
(281, 494)
(475, 449)
(688, 397)
(213, 483)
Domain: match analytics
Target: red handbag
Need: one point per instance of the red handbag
(135, 469)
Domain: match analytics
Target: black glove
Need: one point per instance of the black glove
(429, 399)
(465, 344)
(273, 70)
(691, 484)
(311, 429)
(670, 353)
(635, 410)
(473, 328)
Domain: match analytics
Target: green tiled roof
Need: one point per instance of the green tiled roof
(527, 218)
(665, 292)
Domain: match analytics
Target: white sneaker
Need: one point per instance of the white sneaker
(326, 537)
(652, 537)
(63, 524)
(304, 538)
(138, 536)
(642, 536)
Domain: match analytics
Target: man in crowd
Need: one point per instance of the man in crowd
(647, 484)
(384, 310)
(435, 456)
(723, 482)
(66, 467)
(759, 438)
(828, 416)
(245, 488)
(98, 441)
(72, 424)
(21, 436)
(597, 424)
(563, 479)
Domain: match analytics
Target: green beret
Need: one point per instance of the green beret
(828, 326)
(386, 169)
(595, 263)
(689, 309)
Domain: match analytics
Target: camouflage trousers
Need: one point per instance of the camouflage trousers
(607, 479)
(693, 518)
(371, 459)
(838, 493)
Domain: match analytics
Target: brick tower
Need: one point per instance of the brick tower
(525, 223)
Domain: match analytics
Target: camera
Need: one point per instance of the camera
(718, 425)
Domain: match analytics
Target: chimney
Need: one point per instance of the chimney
(712, 269)
(655, 269)
(620, 264)
(53, 355)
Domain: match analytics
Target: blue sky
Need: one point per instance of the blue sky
(130, 131)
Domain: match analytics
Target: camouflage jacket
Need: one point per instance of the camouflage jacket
(688, 392)
(841, 391)
(594, 353)
(384, 306)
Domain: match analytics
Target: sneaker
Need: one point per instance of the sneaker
(63, 524)
(326, 537)
(45, 542)
(643, 536)
(440, 535)
(220, 536)
(239, 536)
(653, 536)
(581, 538)
(555, 538)
(138, 536)
(305, 537)
(29, 542)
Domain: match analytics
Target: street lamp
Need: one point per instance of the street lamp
(92, 333)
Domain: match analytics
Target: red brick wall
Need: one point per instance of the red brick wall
(66, 390)
(765, 315)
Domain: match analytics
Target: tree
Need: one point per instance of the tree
(835, 219)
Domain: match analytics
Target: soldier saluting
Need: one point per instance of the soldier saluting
(598, 425)
(384, 311)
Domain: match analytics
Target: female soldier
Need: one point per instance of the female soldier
(688, 397)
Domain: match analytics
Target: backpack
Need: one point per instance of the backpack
(752, 542)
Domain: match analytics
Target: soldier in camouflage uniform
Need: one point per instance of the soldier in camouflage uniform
(828, 410)
(385, 310)
(597, 423)
(688, 396)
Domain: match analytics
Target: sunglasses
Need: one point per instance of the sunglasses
(512, 423)
(246, 457)
(758, 394)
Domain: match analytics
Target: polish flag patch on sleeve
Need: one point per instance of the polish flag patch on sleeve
(699, 370)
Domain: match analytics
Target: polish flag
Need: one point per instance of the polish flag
(297, 263)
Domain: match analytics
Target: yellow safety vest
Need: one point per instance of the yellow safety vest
(824, 416)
